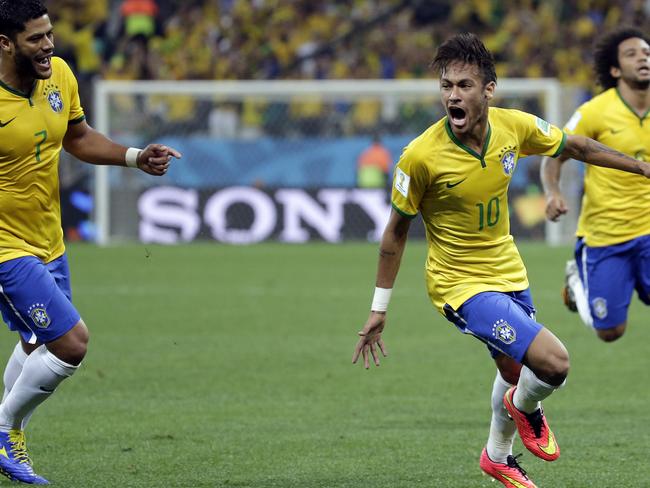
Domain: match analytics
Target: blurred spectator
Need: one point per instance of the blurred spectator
(139, 17)
(373, 165)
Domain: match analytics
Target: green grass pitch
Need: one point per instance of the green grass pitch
(219, 366)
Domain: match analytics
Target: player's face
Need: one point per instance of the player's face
(634, 62)
(34, 48)
(465, 96)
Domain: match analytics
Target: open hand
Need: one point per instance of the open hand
(370, 339)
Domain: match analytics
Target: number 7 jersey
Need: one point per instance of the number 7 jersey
(32, 127)
(462, 197)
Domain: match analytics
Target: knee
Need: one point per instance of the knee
(79, 345)
(72, 347)
(558, 372)
(610, 335)
(556, 369)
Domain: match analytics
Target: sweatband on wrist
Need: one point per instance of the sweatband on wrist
(380, 299)
(131, 157)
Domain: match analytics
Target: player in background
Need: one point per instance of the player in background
(40, 112)
(612, 252)
(456, 174)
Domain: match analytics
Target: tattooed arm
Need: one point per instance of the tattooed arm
(593, 152)
(391, 249)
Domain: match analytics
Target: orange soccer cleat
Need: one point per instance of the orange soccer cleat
(533, 429)
(510, 474)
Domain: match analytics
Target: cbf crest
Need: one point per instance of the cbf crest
(39, 316)
(503, 331)
(508, 158)
(53, 95)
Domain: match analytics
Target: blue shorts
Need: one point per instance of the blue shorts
(503, 321)
(610, 274)
(35, 298)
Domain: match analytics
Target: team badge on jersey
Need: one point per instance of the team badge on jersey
(53, 95)
(39, 315)
(599, 306)
(508, 158)
(508, 162)
(503, 331)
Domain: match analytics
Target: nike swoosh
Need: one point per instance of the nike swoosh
(550, 448)
(46, 390)
(451, 185)
(514, 482)
(3, 452)
(2, 124)
(615, 131)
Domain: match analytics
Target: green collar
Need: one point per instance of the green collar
(480, 157)
(18, 92)
(630, 108)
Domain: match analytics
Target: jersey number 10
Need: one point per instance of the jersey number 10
(492, 213)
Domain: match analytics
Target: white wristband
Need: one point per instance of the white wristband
(381, 299)
(131, 157)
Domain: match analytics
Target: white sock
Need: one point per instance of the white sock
(580, 296)
(531, 391)
(13, 368)
(41, 374)
(12, 371)
(502, 427)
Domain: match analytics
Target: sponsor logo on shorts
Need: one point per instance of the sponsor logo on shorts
(503, 331)
(39, 315)
(599, 306)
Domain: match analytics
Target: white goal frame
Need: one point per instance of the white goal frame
(550, 88)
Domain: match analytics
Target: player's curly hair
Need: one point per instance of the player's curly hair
(606, 53)
(467, 48)
(14, 14)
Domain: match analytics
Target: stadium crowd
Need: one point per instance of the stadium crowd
(269, 39)
(302, 39)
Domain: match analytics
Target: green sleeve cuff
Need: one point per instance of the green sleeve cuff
(561, 148)
(77, 120)
(402, 213)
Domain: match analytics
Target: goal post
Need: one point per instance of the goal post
(288, 122)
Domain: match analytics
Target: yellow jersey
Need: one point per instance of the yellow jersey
(462, 197)
(32, 127)
(615, 204)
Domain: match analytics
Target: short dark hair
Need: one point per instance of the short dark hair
(14, 14)
(606, 53)
(466, 48)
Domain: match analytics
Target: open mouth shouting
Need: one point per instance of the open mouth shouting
(457, 116)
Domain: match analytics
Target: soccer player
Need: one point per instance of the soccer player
(40, 112)
(456, 174)
(612, 252)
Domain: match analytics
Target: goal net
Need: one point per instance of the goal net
(277, 160)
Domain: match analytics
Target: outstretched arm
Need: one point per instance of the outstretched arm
(91, 146)
(593, 152)
(550, 173)
(391, 249)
